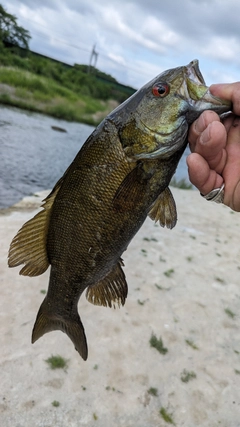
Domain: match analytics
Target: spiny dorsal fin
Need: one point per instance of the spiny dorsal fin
(111, 290)
(29, 245)
(164, 209)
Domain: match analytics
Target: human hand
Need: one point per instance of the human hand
(215, 147)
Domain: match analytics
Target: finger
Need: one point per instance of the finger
(204, 178)
(228, 91)
(199, 126)
(231, 172)
(211, 145)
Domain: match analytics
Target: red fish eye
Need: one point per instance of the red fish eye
(160, 89)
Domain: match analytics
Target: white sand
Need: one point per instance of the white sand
(111, 388)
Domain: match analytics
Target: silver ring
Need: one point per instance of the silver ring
(216, 195)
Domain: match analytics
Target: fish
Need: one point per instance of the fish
(120, 176)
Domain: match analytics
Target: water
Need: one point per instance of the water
(33, 156)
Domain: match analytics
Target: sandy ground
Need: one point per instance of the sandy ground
(184, 286)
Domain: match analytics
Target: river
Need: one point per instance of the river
(33, 156)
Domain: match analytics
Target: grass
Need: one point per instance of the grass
(166, 416)
(169, 272)
(186, 376)
(230, 313)
(57, 362)
(191, 344)
(158, 344)
(153, 391)
(27, 90)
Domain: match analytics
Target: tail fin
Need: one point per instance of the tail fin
(48, 321)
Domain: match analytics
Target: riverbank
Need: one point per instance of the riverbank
(26, 90)
(183, 287)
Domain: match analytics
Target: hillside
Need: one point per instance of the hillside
(75, 93)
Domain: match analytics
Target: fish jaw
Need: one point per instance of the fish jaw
(198, 95)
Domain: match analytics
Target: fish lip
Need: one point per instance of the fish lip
(193, 72)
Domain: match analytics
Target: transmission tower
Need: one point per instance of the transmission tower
(93, 59)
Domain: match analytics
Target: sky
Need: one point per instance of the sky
(136, 40)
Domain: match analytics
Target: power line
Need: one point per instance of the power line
(87, 50)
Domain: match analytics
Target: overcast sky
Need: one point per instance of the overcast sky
(138, 39)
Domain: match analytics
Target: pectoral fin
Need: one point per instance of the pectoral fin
(130, 191)
(164, 209)
(29, 245)
(111, 290)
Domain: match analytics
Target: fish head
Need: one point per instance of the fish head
(157, 117)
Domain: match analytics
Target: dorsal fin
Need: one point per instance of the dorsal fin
(164, 209)
(29, 245)
(111, 290)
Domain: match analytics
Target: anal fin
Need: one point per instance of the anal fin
(164, 209)
(111, 290)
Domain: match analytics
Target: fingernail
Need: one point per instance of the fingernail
(205, 135)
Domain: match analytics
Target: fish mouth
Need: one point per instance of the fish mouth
(195, 91)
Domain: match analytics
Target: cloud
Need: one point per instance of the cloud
(135, 39)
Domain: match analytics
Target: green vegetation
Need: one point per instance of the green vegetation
(220, 280)
(166, 416)
(141, 302)
(37, 83)
(191, 344)
(153, 391)
(169, 272)
(57, 362)
(55, 403)
(26, 90)
(10, 31)
(158, 344)
(186, 376)
(230, 313)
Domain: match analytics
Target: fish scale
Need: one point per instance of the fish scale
(120, 175)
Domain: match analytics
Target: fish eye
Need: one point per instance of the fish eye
(160, 89)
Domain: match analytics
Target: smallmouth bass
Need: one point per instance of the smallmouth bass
(118, 178)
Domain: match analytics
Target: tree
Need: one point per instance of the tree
(11, 32)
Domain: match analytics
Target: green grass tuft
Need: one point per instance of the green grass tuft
(191, 344)
(186, 376)
(230, 313)
(158, 344)
(57, 362)
(169, 272)
(153, 391)
(166, 416)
